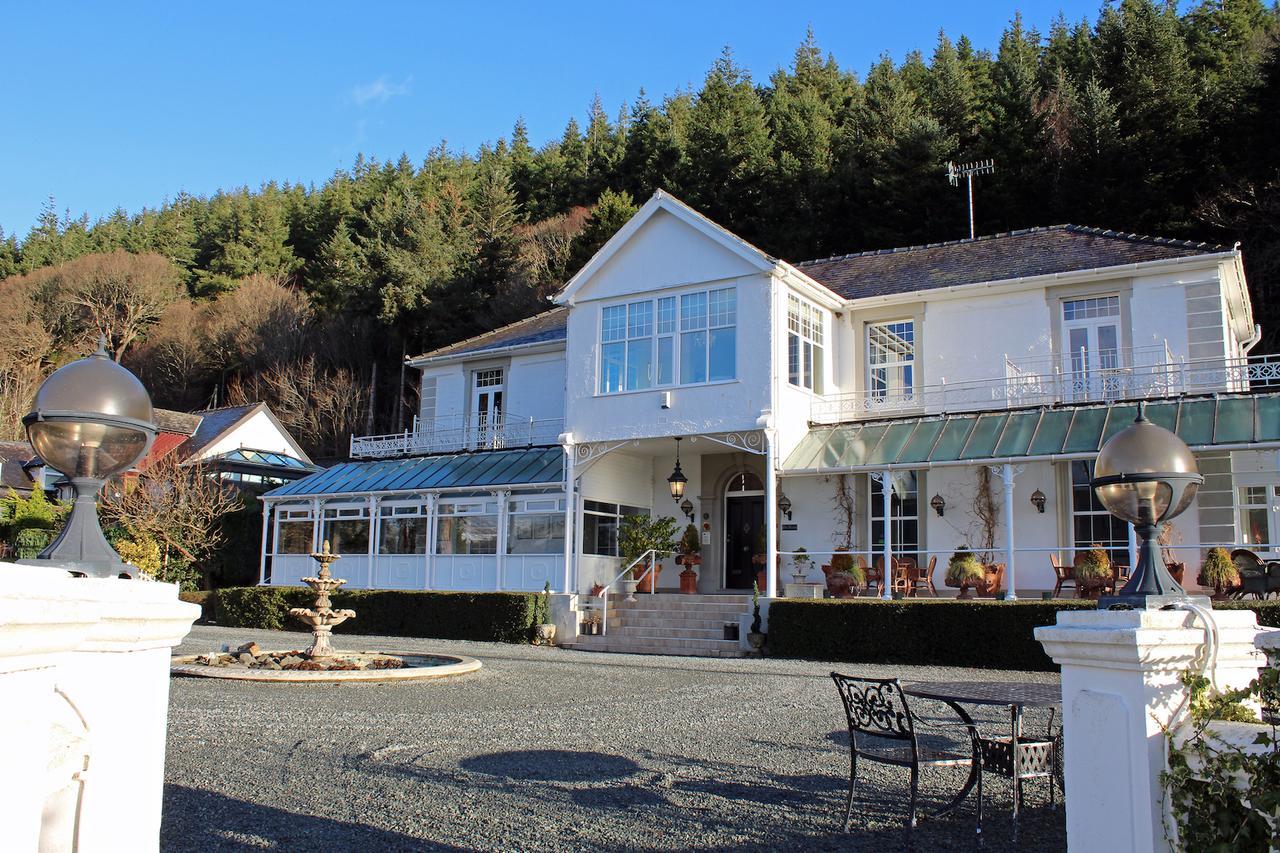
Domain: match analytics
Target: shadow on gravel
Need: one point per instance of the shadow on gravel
(551, 765)
(204, 821)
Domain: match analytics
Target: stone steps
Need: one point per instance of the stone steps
(670, 624)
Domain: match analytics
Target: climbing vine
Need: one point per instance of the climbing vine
(1223, 798)
(984, 509)
(844, 512)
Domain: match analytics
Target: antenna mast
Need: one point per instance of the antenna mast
(967, 171)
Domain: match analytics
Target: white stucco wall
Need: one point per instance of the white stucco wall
(535, 386)
(259, 432)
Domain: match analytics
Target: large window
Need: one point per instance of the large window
(904, 514)
(684, 340)
(1091, 524)
(294, 530)
(346, 528)
(402, 529)
(804, 344)
(467, 527)
(600, 523)
(1260, 516)
(891, 358)
(535, 526)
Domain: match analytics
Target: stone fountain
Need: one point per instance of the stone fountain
(321, 616)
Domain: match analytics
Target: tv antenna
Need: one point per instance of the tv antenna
(967, 171)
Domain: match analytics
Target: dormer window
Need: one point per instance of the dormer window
(690, 339)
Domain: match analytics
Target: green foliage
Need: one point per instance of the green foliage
(640, 533)
(504, 617)
(143, 553)
(755, 607)
(1218, 571)
(1093, 564)
(542, 608)
(34, 511)
(963, 567)
(691, 541)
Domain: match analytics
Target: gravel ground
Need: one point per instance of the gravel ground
(552, 749)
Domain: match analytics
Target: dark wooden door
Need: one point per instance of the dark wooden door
(744, 521)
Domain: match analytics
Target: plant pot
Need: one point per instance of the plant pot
(629, 586)
(756, 639)
(839, 584)
(544, 634)
(597, 589)
(646, 584)
(689, 582)
(590, 629)
(800, 577)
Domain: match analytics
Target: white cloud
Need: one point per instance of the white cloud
(379, 91)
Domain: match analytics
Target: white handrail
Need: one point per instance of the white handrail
(652, 556)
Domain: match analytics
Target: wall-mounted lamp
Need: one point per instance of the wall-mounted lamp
(784, 504)
(677, 480)
(686, 506)
(939, 504)
(1037, 500)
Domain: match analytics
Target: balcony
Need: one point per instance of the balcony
(1070, 378)
(454, 434)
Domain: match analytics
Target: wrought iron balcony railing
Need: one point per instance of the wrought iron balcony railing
(502, 430)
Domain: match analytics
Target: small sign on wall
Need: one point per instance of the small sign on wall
(790, 527)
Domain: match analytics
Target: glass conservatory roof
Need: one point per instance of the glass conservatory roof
(427, 473)
(1018, 434)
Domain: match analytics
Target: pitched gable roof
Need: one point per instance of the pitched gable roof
(180, 423)
(997, 257)
(546, 327)
(13, 456)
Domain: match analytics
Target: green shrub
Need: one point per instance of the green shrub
(964, 566)
(200, 597)
(505, 617)
(936, 632)
(1218, 571)
(1093, 564)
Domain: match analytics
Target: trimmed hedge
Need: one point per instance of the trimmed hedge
(505, 617)
(200, 597)
(984, 634)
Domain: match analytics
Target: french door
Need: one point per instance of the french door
(487, 407)
(1091, 339)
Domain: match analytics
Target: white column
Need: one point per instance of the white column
(1133, 549)
(569, 504)
(1006, 476)
(428, 558)
(267, 509)
(1121, 689)
(373, 538)
(886, 498)
(504, 512)
(770, 519)
(318, 523)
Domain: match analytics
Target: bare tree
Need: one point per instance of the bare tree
(24, 355)
(180, 507)
(173, 361)
(321, 408)
(260, 324)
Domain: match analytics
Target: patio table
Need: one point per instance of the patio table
(1016, 757)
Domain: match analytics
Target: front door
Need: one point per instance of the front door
(486, 408)
(744, 529)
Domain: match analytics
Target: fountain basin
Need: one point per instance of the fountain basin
(416, 667)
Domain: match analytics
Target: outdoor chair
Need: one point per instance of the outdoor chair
(922, 580)
(1254, 574)
(1065, 576)
(884, 729)
(1273, 578)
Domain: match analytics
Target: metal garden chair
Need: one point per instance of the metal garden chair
(883, 729)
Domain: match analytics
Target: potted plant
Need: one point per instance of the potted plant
(964, 572)
(755, 637)
(591, 622)
(801, 561)
(1093, 572)
(843, 575)
(690, 545)
(1218, 572)
(544, 631)
(639, 535)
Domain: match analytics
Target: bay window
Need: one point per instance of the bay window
(688, 339)
(467, 527)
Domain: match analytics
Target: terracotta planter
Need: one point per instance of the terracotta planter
(646, 583)
(689, 582)
(544, 634)
(840, 584)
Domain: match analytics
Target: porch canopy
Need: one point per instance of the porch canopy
(1223, 422)
(526, 467)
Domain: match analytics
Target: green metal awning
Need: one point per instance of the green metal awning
(1065, 431)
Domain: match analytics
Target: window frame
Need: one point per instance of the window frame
(1269, 505)
(803, 319)
(889, 393)
(875, 505)
(614, 513)
(1117, 549)
(664, 337)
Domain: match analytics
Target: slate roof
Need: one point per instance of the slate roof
(1015, 254)
(213, 423)
(548, 326)
(13, 455)
(181, 423)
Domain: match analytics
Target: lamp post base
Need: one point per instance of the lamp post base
(81, 547)
(1151, 602)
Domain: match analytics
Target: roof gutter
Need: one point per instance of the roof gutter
(447, 490)
(471, 355)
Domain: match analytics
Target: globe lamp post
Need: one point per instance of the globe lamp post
(91, 419)
(1146, 475)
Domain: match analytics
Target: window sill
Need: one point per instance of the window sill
(658, 389)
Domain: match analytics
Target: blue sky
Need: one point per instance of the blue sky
(121, 104)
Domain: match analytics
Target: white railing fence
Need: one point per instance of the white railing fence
(496, 431)
(651, 560)
(1071, 378)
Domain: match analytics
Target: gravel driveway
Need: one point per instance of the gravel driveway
(550, 749)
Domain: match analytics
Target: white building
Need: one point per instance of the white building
(1016, 354)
